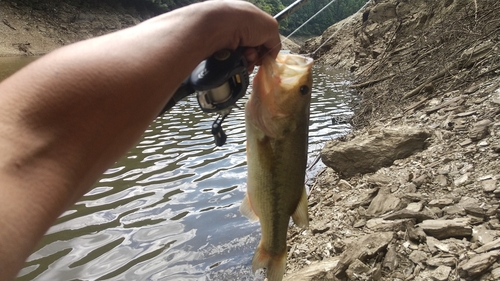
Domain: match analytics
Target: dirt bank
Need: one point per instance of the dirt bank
(431, 67)
(30, 28)
(36, 27)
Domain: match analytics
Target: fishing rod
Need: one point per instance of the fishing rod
(220, 81)
(289, 9)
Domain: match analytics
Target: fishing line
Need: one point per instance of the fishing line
(307, 21)
(312, 17)
(340, 28)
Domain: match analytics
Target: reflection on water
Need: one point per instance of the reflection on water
(168, 210)
(9, 65)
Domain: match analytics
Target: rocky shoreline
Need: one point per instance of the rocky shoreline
(413, 192)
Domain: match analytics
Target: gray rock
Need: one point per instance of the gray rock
(382, 12)
(408, 214)
(379, 224)
(368, 153)
(442, 180)
(493, 245)
(442, 229)
(391, 259)
(442, 260)
(441, 203)
(363, 248)
(416, 234)
(441, 273)
(477, 264)
(315, 271)
(479, 130)
(418, 256)
(382, 203)
(356, 268)
(489, 185)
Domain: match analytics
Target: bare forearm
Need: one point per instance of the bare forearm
(68, 116)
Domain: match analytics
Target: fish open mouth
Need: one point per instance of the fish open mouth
(292, 67)
(274, 78)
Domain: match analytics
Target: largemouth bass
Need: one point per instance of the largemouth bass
(277, 121)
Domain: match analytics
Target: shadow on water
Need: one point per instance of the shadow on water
(168, 210)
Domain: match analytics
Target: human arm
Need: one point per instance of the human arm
(67, 117)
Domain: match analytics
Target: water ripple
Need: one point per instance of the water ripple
(168, 210)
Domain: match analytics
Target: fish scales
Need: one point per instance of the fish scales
(277, 121)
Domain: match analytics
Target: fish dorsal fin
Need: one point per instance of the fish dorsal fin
(300, 216)
(246, 209)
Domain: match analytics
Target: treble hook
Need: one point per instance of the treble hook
(219, 135)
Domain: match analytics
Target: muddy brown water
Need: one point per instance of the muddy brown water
(168, 209)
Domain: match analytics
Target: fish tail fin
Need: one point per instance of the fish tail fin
(275, 265)
(300, 216)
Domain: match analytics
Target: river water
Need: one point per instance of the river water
(168, 210)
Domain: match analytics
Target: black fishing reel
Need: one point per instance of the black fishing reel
(219, 81)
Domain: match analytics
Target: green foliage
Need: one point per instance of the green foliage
(272, 7)
(337, 11)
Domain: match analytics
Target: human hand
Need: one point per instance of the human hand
(245, 25)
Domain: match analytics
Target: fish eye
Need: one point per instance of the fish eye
(304, 90)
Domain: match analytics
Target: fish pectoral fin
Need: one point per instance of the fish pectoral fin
(246, 209)
(300, 216)
(275, 265)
